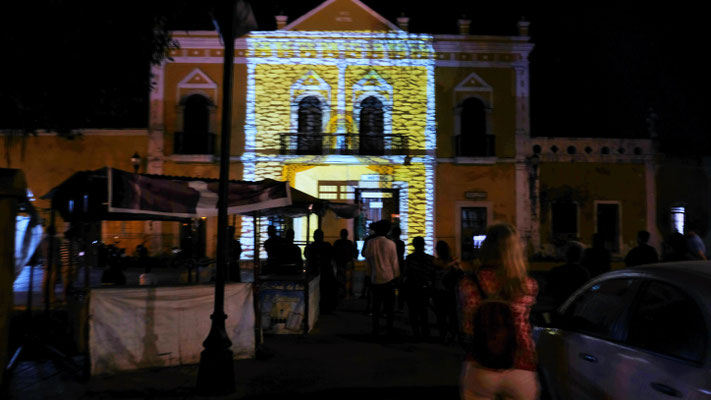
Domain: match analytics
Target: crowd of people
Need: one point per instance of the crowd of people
(487, 310)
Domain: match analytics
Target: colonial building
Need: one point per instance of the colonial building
(429, 131)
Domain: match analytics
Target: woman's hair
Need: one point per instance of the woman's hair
(442, 249)
(502, 250)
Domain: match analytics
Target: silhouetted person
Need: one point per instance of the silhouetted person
(695, 246)
(443, 295)
(418, 279)
(271, 246)
(381, 254)
(290, 261)
(675, 248)
(400, 246)
(49, 280)
(319, 257)
(596, 259)
(565, 279)
(235, 253)
(365, 291)
(643, 253)
(344, 252)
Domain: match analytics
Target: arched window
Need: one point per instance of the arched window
(371, 127)
(310, 125)
(472, 139)
(196, 137)
(196, 114)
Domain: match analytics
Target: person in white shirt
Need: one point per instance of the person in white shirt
(381, 254)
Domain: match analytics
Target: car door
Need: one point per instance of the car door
(666, 347)
(576, 358)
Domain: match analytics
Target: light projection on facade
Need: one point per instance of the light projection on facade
(373, 93)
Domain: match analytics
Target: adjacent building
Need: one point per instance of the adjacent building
(429, 131)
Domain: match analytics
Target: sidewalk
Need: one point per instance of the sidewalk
(338, 359)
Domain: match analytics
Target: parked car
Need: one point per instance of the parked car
(638, 333)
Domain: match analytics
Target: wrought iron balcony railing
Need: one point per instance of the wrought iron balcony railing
(475, 146)
(342, 144)
(194, 143)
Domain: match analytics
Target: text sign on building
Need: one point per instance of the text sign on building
(376, 178)
(475, 195)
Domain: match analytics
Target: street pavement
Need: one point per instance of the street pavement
(337, 359)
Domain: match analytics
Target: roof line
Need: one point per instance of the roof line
(328, 2)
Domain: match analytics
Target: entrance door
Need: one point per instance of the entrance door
(377, 204)
(473, 231)
(608, 225)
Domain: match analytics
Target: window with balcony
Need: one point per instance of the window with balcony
(371, 127)
(472, 139)
(310, 126)
(196, 137)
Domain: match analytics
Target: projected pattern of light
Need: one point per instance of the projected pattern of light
(342, 69)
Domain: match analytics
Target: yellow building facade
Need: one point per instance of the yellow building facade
(429, 131)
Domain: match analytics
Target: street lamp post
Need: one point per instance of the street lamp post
(216, 374)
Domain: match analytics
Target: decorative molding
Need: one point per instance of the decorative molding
(99, 132)
(373, 85)
(473, 83)
(310, 84)
(590, 149)
(473, 64)
(329, 2)
(197, 82)
(193, 158)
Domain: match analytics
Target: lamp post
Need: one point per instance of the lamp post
(135, 161)
(216, 373)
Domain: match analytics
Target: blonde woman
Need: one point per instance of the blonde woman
(503, 276)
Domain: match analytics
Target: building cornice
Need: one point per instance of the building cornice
(90, 132)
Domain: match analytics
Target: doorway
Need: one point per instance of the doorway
(608, 225)
(376, 204)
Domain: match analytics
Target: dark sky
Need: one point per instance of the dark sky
(594, 72)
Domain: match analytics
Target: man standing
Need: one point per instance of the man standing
(319, 257)
(381, 254)
(695, 246)
(643, 253)
(272, 246)
(344, 252)
(418, 279)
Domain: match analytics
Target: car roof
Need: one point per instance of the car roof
(694, 277)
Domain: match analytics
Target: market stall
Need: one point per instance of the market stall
(138, 327)
(289, 304)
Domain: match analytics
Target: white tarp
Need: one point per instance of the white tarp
(132, 328)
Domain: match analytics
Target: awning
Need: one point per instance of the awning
(115, 195)
(111, 194)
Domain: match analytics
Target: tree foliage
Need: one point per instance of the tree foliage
(71, 65)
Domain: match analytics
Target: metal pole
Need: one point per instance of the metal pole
(255, 286)
(305, 322)
(49, 282)
(216, 374)
(83, 248)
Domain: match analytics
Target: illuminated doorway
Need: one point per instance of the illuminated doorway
(376, 204)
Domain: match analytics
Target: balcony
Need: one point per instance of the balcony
(342, 144)
(473, 146)
(194, 143)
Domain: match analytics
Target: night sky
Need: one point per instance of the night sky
(594, 72)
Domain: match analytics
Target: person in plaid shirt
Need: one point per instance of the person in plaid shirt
(503, 272)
